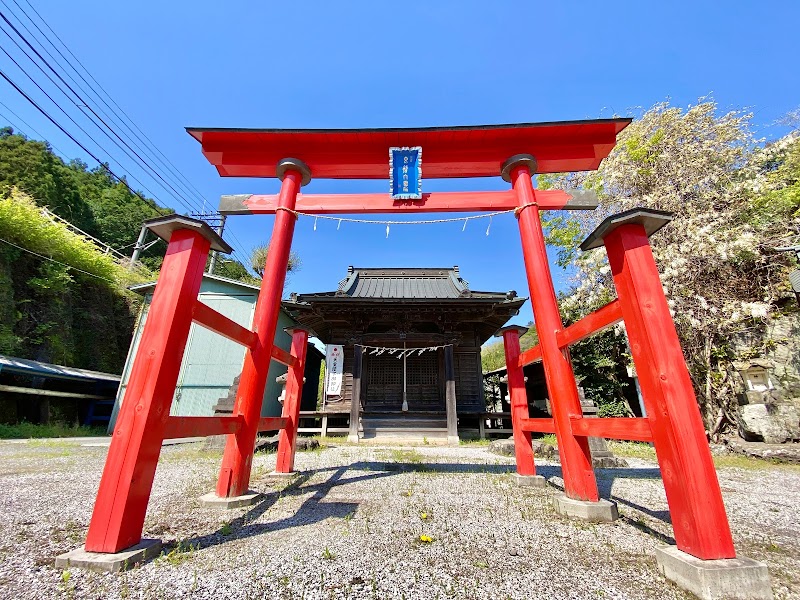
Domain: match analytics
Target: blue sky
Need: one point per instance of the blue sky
(403, 64)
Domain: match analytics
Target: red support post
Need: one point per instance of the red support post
(287, 438)
(687, 469)
(234, 477)
(207, 317)
(523, 446)
(538, 425)
(634, 429)
(127, 479)
(576, 461)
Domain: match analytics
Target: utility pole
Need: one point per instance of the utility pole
(137, 249)
(220, 230)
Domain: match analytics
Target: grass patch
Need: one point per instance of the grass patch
(474, 442)
(549, 439)
(26, 431)
(406, 456)
(632, 449)
(188, 452)
(736, 461)
(740, 461)
(179, 553)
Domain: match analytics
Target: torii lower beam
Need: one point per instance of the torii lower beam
(322, 204)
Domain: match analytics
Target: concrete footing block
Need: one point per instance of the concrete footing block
(108, 561)
(281, 476)
(530, 480)
(602, 511)
(738, 578)
(212, 500)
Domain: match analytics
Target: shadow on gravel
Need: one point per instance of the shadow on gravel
(313, 510)
(605, 480)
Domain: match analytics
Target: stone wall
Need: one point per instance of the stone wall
(772, 415)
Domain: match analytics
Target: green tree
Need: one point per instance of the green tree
(734, 200)
(32, 167)
(258, 259)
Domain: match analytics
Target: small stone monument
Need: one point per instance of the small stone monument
(765, 415)
(223, 408)
(601, 456)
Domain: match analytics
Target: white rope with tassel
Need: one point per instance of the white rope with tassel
(399, 352)
(339, 220)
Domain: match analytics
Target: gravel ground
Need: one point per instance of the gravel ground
(349, 527)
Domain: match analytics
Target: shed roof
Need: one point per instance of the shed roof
(33, 368)
(381, 295)
(143, 288)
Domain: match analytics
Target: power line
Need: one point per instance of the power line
(127, 149)
(29, 127)
(91, 91)
(84, 148)
(56, 261)
(177, 180)
(143, 135)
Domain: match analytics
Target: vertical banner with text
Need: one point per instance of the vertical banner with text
(334, 369)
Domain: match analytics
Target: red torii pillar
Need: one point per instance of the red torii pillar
(287, 437)
(703, 560)
(122, 498)
(581, 497)
(234, 475)
(687, 469)
(515, 379)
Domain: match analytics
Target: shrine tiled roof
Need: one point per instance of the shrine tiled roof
(413, 283)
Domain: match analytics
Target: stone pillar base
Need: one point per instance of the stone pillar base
(601, 511)
(742, 578)
(530, 480)
(453, 440)
(281, 476)
(352, 438)
(111, 562)
(212, 500)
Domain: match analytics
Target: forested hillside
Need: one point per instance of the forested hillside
(90, 199)
(62, 300)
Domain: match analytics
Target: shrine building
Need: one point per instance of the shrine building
(411, 339)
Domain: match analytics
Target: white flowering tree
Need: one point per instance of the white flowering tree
(734, 201)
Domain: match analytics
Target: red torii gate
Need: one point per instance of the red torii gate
(515, 152)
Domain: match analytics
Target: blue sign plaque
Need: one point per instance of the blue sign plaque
(405, 173)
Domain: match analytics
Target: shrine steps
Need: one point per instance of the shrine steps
(405, 428)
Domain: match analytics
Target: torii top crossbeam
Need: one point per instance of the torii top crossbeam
(470, 151)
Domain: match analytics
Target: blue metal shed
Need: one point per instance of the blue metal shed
(211, 362)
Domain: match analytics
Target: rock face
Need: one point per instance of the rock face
(505, 447)
(786, 453)
(272, 445)
(782, 335)
(771, 423)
